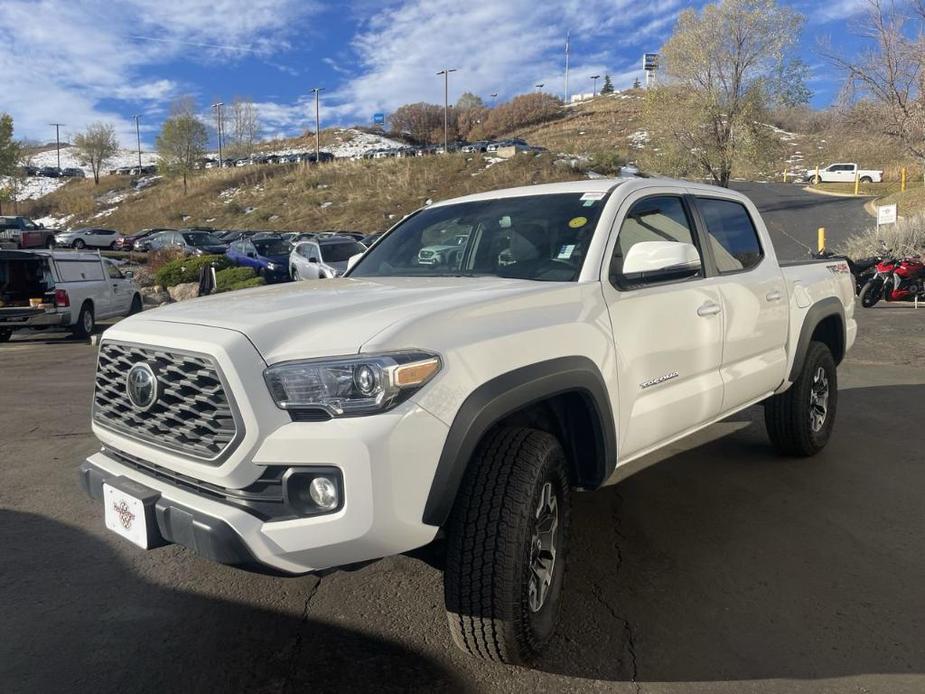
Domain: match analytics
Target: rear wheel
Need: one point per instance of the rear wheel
(79, 243)
(800, 420)
(294, 273)
(866, 179)
(5, 334)
(816, 180)
(85, 322)
(871, 293)
(50, 242)
(506, 544)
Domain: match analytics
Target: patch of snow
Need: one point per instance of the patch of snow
(53, 222)
(104, 213)
(326, 204)
(638, 139)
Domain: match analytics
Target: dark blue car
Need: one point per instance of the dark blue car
(269, 257)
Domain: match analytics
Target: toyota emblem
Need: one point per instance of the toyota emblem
(141, 386)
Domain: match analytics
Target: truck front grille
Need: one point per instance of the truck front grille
(193, 415)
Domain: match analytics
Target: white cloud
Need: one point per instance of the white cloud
(834, 10)
(70, 61)
(504, 47)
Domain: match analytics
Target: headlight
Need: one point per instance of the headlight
(272, 266)
(356, 385)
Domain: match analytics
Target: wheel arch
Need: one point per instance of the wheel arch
(566, 396)
(824, 322)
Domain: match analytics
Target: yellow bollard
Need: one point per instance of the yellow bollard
(902, 185)
(857, 182)
(785, 175)
(820, 239)
(816, 179)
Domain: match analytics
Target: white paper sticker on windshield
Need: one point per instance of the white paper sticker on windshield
(566, 251)
(592, 196)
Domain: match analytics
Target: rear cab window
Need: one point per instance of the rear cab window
(731, 233)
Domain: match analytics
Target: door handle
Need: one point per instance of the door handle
(773, 296)
(709, 309)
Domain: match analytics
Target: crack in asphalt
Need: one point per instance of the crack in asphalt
(599, 595)
(297, 646)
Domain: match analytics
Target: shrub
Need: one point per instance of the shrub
(155, 260)
(187, 269)
(225, 279)
(248, 284)
(905, 238)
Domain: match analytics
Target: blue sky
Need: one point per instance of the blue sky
(78, 61)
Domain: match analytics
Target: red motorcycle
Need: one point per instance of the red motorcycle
(895, 280)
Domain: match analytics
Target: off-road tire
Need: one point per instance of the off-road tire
(787, 415)
(84, 328)
(490, 546)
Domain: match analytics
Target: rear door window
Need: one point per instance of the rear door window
(732, 235)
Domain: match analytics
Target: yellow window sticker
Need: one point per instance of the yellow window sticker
(577, 222)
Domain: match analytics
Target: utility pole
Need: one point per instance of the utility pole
(446, 107)
(594, 79)
(568, 37)
(316, 91)
(540, 86)
(138, 139)
(58, 127)
(220, 128)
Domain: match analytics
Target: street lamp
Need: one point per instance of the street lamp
(540, 85)
(316, 91)
(446, 106)
(217, 107)
(594, 79)
(138, 140)
(58, 127)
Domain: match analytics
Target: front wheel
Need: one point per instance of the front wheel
(5, 334)
(136, 305)
(800, 420)
(294, 273)
(506, 544)
(79, 244)
(871, 293)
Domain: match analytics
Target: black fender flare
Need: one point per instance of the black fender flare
(818, 312)
(506, 394)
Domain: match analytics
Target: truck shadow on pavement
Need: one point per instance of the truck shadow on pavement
(729, 563)
(67, 626)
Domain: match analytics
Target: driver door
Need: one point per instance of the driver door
(668, 334)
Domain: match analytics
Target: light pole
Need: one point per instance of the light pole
(138, 140)
(594, 79)
(540, 86)
(316, 91)
(58, 127)
(446, 107)
(219, 127)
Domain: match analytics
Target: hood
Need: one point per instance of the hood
(334, 317)
(277, 259)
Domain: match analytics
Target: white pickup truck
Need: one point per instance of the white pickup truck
(61, 290)
(844, 173)
(582, 326)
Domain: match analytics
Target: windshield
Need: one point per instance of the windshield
(534, 237)
(272, 247)
(340, 252)
(201, 238)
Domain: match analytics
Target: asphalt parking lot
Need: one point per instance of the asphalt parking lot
(721, 569)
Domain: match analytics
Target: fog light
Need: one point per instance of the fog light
(323, 491)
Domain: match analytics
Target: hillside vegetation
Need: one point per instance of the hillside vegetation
(365, 195)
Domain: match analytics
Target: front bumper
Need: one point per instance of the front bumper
(386, 463)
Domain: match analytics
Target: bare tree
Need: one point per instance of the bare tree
(182, 141)
(245, 127)
(890, 75)
(726, 67)
(10, 155)
(95, 146)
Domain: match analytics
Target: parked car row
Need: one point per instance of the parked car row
(293, 158)
(51, 171)
(134, 170)
(460, 146)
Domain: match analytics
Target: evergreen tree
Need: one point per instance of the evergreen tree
(608, 85)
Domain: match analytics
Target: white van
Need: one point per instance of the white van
(63, 290)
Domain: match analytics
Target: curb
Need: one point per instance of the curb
(810, 189)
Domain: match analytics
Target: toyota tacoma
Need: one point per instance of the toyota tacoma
(582, 325)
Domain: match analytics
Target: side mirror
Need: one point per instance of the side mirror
(129, 274)
(661, 260)
(312, 259)
(353, 260)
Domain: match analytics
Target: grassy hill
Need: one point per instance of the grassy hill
(366, 195)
